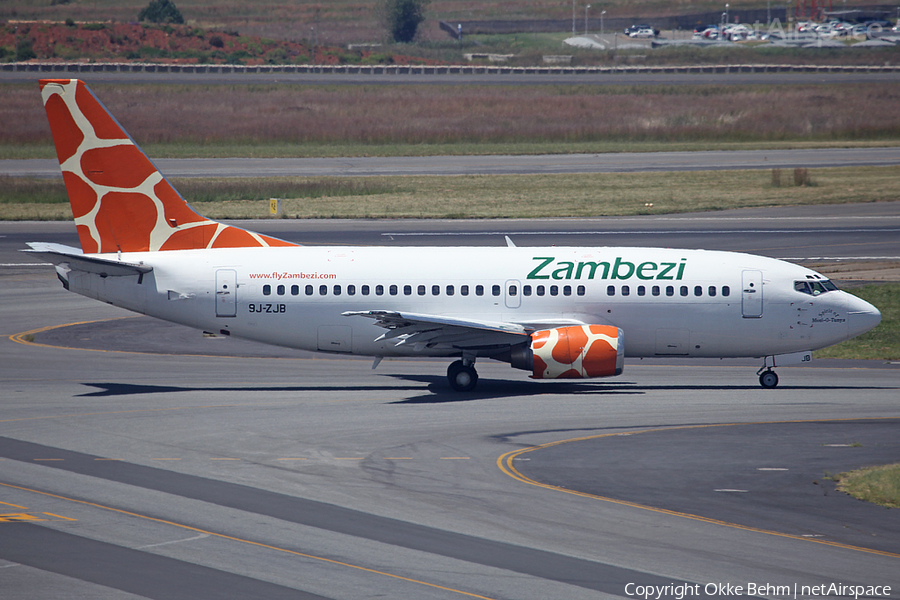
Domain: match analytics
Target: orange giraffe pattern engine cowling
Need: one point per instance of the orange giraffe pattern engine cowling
(120, 201)
(577, 352)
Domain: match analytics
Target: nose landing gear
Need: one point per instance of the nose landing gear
(767, 378)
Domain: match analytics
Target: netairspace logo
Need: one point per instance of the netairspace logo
(681, 591)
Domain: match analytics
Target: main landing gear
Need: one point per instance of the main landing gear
(767, 378)
(462, 375)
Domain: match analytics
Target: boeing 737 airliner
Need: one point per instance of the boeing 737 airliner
(557, 312)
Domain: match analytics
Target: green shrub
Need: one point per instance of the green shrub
(161, 11)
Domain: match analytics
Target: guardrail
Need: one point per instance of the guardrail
(431, 69)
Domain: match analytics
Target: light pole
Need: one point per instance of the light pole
(573, 17)
(726, 14)
(601, 23)
(586, 7)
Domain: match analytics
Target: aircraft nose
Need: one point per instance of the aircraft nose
(862, 316)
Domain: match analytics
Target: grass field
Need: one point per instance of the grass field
(315, 120)
(494, 196)
(881, 343)
(879, 485)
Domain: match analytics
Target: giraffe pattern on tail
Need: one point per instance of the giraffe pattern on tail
(120, 201)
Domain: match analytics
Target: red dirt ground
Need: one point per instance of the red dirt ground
(131, 42)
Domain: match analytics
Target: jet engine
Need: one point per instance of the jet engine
(576, 352)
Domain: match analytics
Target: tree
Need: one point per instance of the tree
(161, 11)
(402, 17)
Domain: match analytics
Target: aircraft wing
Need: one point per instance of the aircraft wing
(432, 331)
(75, 259)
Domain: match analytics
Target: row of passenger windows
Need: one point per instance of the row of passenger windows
(495, 290)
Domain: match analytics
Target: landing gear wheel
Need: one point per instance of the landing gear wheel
(462, 378)
(768, 379)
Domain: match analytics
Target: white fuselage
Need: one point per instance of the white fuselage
(668, 302)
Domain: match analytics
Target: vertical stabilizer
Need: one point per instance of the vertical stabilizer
(120, 201)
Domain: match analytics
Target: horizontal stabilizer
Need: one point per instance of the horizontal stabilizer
(78, 261)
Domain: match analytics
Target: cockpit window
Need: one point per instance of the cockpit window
(814, 288)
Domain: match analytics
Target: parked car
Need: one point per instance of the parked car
(643, 33)
(635, 28)
(827, 31)
(737, 33)
(709, 32)
(860, 32)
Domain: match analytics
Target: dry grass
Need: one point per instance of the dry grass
(883, 342)
(520, 196)
(879, 485)
(298, 118)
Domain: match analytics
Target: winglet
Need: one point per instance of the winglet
(120, 201)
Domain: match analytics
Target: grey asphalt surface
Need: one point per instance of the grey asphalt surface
(311, 476)
(495, 165)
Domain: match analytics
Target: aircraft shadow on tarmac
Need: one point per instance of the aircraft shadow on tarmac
(439, 392)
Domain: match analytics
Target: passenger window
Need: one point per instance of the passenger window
(393, 290)
(513, 290)
(280, 290)
(567, 290)
(610, 290)
(323, 290)
(421, 290)
(698, 290)
(670, 291)
(581, 291)
(554, 290)
(684, 290)
(450, 290)
(435, 290)
(540, 290)
(726, 291)
(464, 290)
(526, 290)
(641, 290)
(267, 290)
(407, 290)
(626, 290)
(351, 290)
(309, 290)
(712, 291)
(379, 290)
(495, 290)
(337, 290)
(479, 290)
(364, 290)
(295, 290)
(655, 290)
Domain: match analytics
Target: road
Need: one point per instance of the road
(495, 165)
(187, 473)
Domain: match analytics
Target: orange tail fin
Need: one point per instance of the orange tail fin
(120, 200)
